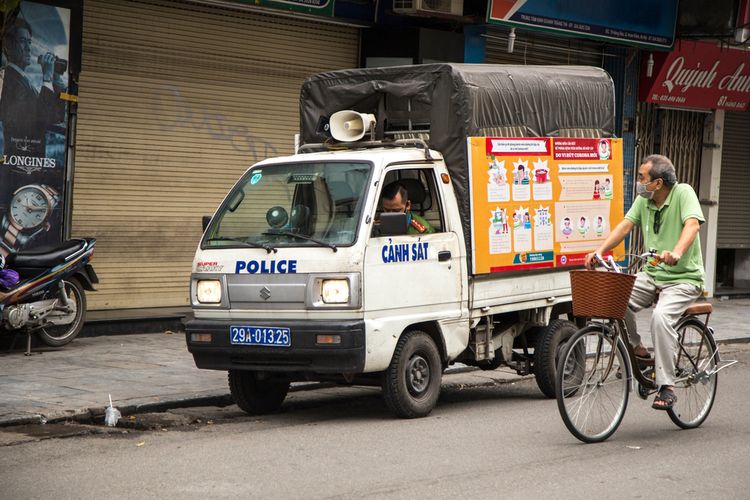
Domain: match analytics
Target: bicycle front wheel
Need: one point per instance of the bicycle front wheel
(695, 384)
(592, 383)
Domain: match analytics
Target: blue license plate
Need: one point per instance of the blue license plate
(260, 335)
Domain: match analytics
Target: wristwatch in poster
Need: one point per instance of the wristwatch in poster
(28, 215)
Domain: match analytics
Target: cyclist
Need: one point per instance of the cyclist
(669, 216)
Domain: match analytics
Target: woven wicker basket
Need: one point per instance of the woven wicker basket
(601, 294)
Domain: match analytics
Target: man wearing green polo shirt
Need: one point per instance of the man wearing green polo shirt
(395, 200)
(669, 216)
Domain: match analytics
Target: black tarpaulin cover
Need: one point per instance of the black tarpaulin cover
(457, 101)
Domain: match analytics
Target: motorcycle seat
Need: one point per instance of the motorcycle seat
(45, 256)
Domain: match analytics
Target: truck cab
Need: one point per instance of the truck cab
(295, 252)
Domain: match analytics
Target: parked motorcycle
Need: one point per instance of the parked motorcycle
(50, 299)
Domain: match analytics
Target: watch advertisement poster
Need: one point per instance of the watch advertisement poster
(542, 202)
(33, 120)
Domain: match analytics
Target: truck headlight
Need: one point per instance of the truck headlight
(209, 291)
(335, 291)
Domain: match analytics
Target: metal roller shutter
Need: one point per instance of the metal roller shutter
(176, 101)
(734, 224)
(538, 48)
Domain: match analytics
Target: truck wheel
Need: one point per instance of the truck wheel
(411, 384)
(256, 397)
(549, 345)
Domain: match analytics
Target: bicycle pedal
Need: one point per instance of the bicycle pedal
(644, 392)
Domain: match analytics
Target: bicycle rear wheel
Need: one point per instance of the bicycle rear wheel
(592, 383)
(695, 385)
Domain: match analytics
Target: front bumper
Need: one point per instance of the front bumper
(303, 356)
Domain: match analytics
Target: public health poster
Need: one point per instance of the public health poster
(542, 202)
(33, 124)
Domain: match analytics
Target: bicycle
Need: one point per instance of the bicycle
(595, 371)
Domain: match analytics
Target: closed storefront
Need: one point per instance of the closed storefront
(734, 223)
(733, 238)
(176, 100)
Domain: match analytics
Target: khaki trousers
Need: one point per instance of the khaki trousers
(673, 300)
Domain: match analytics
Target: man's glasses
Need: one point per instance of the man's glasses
(657, 221)
(394, 210)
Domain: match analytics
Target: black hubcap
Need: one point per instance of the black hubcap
(417, 375)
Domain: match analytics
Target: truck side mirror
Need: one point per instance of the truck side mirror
(393, 224)
(205, 221)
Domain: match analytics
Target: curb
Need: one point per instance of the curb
(92, 413)
(220, 399)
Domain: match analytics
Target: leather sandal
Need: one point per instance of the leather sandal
(665, 400)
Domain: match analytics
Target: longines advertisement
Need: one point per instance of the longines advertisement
(33, 120)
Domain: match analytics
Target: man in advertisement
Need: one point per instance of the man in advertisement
(26, 112)
(33, 121)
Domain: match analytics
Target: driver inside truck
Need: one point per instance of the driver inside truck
(395, 199)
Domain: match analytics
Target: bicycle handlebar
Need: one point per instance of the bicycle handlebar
(611, 265)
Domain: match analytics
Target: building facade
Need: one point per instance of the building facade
(169, 101)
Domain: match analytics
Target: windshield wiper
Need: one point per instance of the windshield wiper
(303, 237)
(267, 248)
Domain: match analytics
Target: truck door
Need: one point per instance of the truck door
(417, 273)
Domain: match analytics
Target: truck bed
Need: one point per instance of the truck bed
(507, 292)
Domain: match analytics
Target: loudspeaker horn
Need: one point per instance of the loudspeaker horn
(349, 126)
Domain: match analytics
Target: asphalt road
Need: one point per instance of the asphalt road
(482, 442)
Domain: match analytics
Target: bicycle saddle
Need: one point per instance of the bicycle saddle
(699, 308)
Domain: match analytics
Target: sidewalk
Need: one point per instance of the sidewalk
(150, 372)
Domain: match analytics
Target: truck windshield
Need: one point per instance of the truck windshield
(293, 204)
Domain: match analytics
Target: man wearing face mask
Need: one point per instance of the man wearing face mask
(395, 199)
(669, 216)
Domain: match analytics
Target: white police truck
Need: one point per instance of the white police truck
(301, 276)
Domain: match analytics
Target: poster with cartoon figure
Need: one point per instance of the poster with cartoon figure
(566, 228)
(600, 226)
(543, 233)
(500, 242)
(497, 183)
(521, 230)
(542, 187)
(521, 180)
(583, 226)
(562, 197)
(605, 149)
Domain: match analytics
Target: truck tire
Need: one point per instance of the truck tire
(256, 397)
(411, 384)
(548, 348)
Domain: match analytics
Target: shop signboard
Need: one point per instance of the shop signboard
(542, 202)
(699, 75)
(33, 121)
(637, 22)
(315, 7)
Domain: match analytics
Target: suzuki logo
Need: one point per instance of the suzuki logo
(265, 293)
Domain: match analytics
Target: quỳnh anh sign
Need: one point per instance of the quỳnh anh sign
(699, 75)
